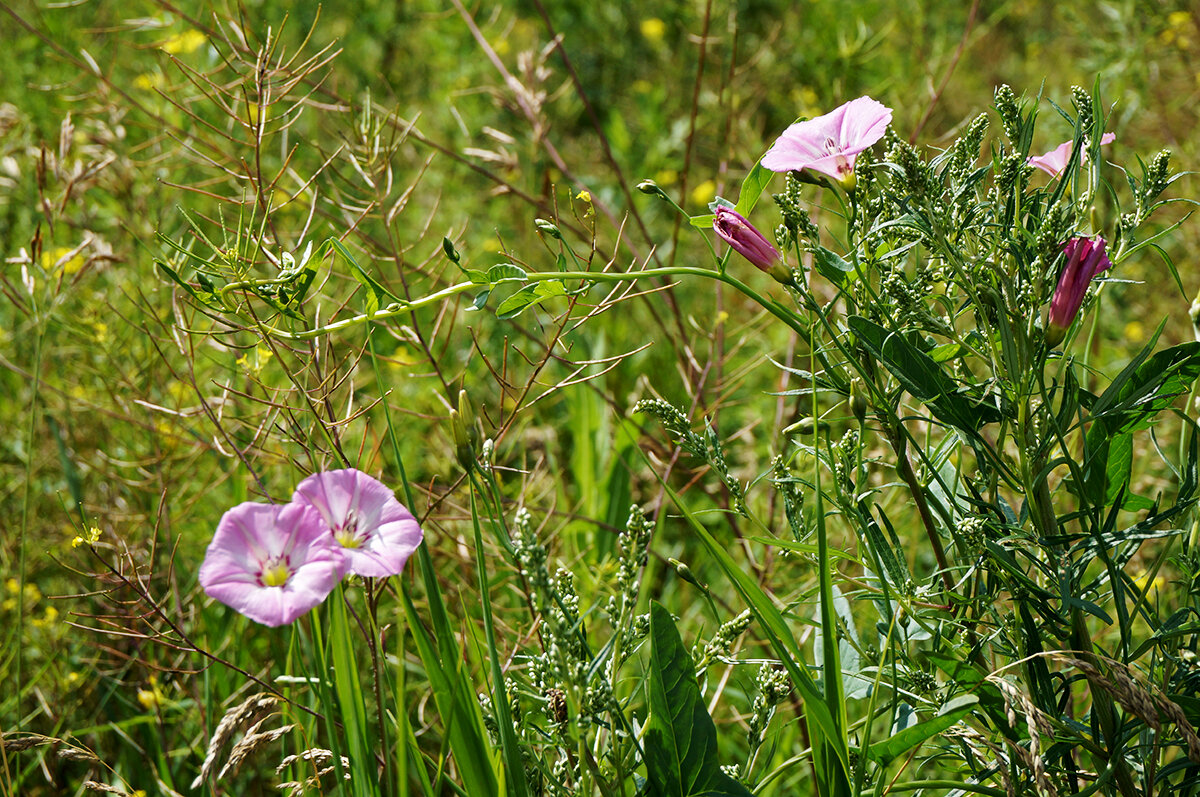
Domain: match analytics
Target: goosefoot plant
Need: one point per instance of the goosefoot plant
(945, 304)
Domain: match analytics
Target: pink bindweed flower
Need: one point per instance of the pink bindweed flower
(737, 231)
(374, 530)
(271, 563)
(1085, 259)
(1054, 161)
(830, 144)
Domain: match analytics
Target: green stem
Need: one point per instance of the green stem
(406, 308)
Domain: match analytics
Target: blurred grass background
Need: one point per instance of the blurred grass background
(115, 118)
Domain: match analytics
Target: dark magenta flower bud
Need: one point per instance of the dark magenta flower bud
(751, 244)
(1085, 259)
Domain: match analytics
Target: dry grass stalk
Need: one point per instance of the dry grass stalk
(253, 740)
(252, 710)
(12, 745)
(68, 752)
(986, 749)
(92, 785)
(1147, 703)
(1036, 724)
(318, 756)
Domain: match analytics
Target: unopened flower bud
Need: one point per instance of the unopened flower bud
(685, 572)
(451, 252)
(650, 187)
(858, 401)
(466, 411)
(746, 240)
(1085, 259)
(547, 228)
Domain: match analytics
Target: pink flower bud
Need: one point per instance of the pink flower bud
(747, 241)
(1085, 259)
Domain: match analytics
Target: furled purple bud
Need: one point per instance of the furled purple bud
(1085, 259)
(747, 241)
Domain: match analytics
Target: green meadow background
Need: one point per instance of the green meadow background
(138, 132)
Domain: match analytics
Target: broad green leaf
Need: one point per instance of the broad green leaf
(911, 737)
(752, 189)
(947, 352)
(921, 376)
(681, 740)
(529, 296)
(506, 271)
(831, 265)
(1149, 389)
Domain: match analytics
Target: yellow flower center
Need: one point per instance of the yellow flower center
(275, 573)
(348, 535)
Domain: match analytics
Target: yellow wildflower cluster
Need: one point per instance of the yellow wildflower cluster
(1180, 30)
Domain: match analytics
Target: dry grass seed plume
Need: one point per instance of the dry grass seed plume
(251, 711)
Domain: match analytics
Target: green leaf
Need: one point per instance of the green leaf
(480, 300)
(529, 296)
(947, 352)
(506, 271)
(823, 726)
(751, 191)
(911, 737)
(752, 188)
(453, 690)
(921, 376)
(831, 265)
(681, 740)
(376, 293)
(1137, 395)
(206, 298)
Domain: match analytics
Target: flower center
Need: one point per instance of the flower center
(831, 146)
(348, 535)
(275, 572)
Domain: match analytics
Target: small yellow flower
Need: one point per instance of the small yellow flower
(47, 619)
(1135, 332)
(584, 196)
(73, 678)
(89, 537)
(666, 177)
(654, 29)
(704, 193)
(151, 697)
(1143, 582)
(57, 258)
(189, 41)
(148, 81)
(12, 585)
(252, 113)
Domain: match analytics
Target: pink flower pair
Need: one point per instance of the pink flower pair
(273, 563)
